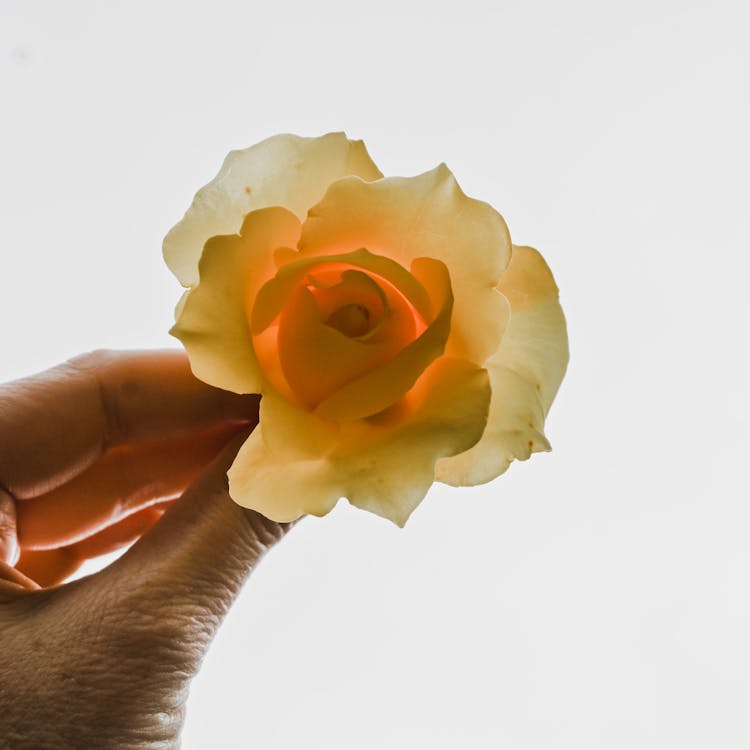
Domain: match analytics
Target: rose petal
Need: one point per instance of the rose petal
(212, 322)
(347, 378)
(537, 345)
(272, 296)
(297, 463)
(384, 385)
(284, 170)
(525, 374)
(424, 216)
(317, 360)
(337, 294)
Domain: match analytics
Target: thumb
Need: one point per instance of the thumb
(187, 570)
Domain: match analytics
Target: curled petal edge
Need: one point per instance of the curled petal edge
(297, 463)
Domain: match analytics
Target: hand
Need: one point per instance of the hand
(92, 454)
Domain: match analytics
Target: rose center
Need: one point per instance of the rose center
(352, 320)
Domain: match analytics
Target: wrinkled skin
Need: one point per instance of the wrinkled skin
(106, 661)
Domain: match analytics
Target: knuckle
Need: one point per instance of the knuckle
(92, 361)
(99, 369)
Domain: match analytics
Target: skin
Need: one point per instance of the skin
(104, 449)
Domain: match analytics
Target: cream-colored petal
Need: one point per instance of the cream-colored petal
(536, 346)
(524, 374)
(297, 463)
(212, 318)
(424, 216)
(284, 170)
(283, 470)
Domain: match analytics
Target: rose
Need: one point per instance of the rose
(395, 334)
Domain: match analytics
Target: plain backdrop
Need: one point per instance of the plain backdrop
(595, 597)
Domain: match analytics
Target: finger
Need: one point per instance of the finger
(11, 579)
(120, 534)
(56, 424)
(195, 560)
(8, 540)
(50, 567)
(123, 481)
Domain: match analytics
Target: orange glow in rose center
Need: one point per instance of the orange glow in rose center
(352, 320)
(339, 322)
(355, 301)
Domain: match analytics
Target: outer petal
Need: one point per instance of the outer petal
(297, 463)
(424, 216)
(284, 170)
(525, 374)
(212, 320)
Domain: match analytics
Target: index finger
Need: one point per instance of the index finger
(56, 424)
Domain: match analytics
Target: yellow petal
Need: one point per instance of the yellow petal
(536, 345)
(424, 216)
(272, 295)
(317, 359)
(284, 170)
(524, 374)
(350, 301)
(306, 360)
(297, 463)
(384, 385)
(213, 317)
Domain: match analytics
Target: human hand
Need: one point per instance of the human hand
(92, 454)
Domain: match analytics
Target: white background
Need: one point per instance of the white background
(595, 597)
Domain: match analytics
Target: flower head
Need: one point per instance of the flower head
(396, 335)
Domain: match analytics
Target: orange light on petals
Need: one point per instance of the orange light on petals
(338, 322)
